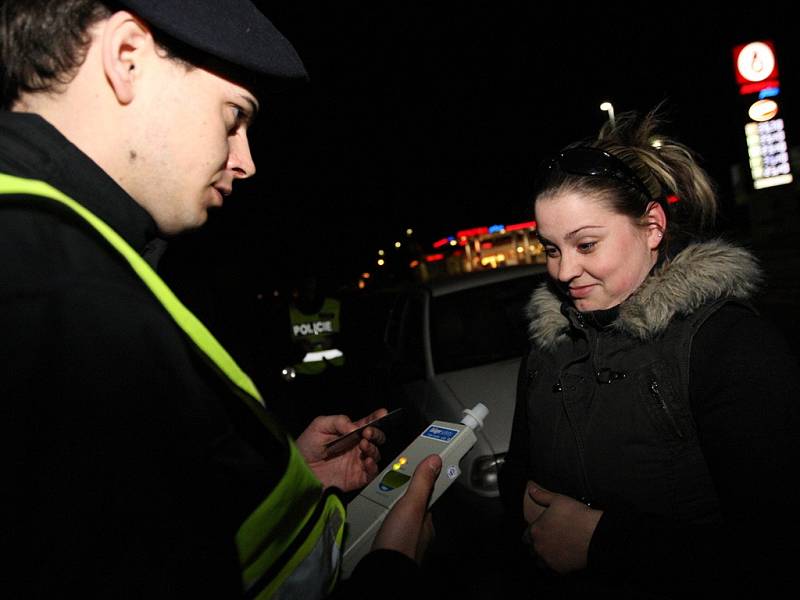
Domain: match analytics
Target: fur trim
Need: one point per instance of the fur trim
(547, 325)
(699, 274)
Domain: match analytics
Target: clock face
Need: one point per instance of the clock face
(756, 61)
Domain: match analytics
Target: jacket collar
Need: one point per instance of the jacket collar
(31, 147)
(699, 274)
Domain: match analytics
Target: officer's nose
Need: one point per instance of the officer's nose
(240, 161)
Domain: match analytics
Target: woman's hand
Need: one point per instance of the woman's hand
(348, 469)
(560, 528)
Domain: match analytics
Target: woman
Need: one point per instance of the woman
(654, 433)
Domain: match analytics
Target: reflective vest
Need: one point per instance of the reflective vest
(290, 544)
(315, 333)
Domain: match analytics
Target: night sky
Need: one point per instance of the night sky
(434, 115)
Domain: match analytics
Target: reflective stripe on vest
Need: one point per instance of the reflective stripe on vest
(315, 333)
(296, 523)
(270, 563)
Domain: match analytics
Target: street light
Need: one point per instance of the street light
(609, 108)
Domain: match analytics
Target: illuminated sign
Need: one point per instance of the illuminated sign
(755, 62)
(756, 68)
(769, 154)
(526, 225)
(763, 110)
(465, 233)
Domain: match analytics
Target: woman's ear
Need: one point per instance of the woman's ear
(655, 220)
(125, 42)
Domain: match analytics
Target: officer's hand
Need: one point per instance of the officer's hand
(408, 527)
(350, 468)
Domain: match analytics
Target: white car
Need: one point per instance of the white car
(457, 342)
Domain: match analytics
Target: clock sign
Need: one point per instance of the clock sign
(755, 62)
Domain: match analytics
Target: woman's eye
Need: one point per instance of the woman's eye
(551, 251)
(586, 246)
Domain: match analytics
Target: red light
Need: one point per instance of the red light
(472, 232)
(434, 257)
(672, 199)
(441, 243)
(527, 225)
(487, 245)
(752, 88)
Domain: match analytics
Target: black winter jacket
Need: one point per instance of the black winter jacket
(607, 414)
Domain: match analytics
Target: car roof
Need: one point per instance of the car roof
(458, 283)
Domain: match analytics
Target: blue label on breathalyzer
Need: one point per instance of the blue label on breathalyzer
(443, 434)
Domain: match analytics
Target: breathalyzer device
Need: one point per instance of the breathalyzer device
(365, 513)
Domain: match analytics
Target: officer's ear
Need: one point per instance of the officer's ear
(126, 42)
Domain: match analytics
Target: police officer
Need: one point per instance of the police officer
(315, 324)
(146, 463)
(315, 369)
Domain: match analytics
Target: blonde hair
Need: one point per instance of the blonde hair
(669, 170)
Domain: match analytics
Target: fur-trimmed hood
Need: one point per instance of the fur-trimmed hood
(699, 274)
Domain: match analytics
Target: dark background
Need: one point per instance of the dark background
(435, 115)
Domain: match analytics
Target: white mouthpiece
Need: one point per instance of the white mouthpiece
(473, 418)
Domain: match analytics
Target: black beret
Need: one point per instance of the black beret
(233, 31)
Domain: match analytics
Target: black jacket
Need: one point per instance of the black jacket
(689, 475)
(134, 462)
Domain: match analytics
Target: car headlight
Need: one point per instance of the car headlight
(484, 472)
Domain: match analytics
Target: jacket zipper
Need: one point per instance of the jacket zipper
(654, 390)
(588, 497)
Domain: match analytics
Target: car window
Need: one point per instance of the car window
(364, 319)
(404, 337)
(480, 325)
